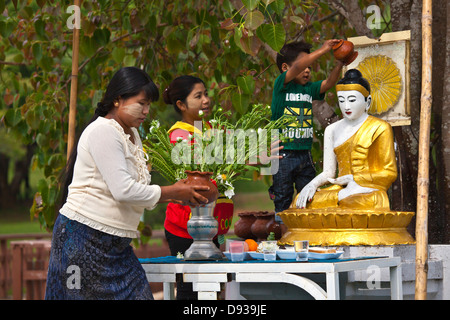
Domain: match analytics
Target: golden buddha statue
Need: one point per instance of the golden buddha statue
(355, 209)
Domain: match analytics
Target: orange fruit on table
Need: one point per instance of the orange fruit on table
(252, 244)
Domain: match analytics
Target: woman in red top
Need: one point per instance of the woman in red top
(189, 96)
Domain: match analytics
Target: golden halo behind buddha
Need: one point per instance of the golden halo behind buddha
(385, 82)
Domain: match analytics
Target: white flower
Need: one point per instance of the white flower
(213, 121)
(155, 125)
(219, 178)
(229, 193)
(200, 113)
(179, 139)
(190, 136)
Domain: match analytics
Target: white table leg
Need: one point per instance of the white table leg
(207, 295)
(206, 285)
(206, 290)
(396, 282)
(332, 285)
(280, 277)
(168, 290)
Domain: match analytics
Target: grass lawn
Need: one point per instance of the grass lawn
(20, 227)
(252, 196)
(252, 201)
(17, 220)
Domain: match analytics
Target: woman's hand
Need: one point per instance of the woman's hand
(184, 194)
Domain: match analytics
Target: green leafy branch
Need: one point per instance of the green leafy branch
(212, 151)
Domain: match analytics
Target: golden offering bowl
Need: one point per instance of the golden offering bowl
(334, 227)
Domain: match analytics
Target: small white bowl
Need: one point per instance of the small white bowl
(286, 254)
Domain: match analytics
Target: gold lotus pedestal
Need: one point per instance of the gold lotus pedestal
(345, 227)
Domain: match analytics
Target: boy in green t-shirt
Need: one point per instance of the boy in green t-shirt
(293, 94)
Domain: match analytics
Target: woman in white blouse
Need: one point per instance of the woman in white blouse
(91, 256)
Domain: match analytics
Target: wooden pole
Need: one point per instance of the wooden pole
(424, 152)
(73, 87)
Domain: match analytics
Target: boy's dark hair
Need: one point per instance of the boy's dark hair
(290, 52)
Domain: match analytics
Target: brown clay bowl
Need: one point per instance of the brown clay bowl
(344, 51)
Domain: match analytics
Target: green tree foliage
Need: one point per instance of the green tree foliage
(228, 43)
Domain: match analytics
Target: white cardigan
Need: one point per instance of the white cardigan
(111, 183)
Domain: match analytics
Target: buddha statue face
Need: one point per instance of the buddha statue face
(353, 104)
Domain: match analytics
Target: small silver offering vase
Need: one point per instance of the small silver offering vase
(203, 227)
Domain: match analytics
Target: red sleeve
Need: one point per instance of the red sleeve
(176, 220)
(178, 133)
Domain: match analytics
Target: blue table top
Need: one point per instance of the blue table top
(173, 259)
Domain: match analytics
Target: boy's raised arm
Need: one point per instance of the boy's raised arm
(303, 61)
(333, 77)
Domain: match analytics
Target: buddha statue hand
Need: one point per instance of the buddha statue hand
(306, 194)
(351, 186)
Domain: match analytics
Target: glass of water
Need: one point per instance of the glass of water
(237, 251)
(270, 250)
(301, 250)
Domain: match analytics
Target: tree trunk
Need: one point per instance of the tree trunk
(406, 15)
(445, 140)
(440, 201)
(4, 190)
(351, 11)
(10, 188)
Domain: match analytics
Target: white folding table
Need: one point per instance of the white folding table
(207, 276)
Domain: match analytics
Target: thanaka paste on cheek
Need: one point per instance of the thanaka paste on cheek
(134, 109)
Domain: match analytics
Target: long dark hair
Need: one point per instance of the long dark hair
(179, 89)
(127, 82)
